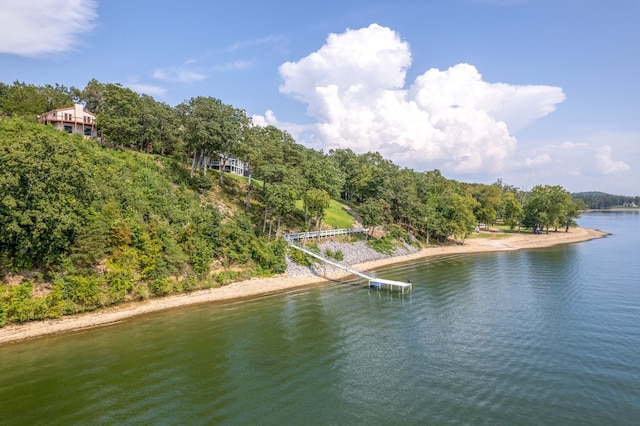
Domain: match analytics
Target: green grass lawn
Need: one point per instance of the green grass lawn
(490, 235)
(335, 216)
(505, 228)
(498, 231)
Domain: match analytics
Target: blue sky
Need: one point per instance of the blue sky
(530, 91)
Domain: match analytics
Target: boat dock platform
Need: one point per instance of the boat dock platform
(374, 282)
(380, 283)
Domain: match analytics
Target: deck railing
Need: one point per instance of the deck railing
(324, 234)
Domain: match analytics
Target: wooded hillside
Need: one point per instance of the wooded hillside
(601, 200)
(139, 213)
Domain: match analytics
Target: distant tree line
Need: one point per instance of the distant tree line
(601, 200)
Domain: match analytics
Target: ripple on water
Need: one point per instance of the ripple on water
(530, 337)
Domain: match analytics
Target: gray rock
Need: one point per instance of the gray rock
(353, 253)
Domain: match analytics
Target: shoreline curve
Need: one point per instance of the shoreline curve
(257, 287)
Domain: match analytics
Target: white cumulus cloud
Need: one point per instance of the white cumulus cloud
(354, 86)
(608, 165)
(148, 89)
(462, 86)
(269, 118)
(590, 161)
(32, 28)
(179, 75)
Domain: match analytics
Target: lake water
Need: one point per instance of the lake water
(547, 336)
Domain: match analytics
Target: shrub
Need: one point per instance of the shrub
(121, 273)
(314, 248)
(203, 183)
(227, 276)
(3, 312)
(22, 306)
(161, 286)
(269, 255)
(339, 255)
(383, 245)
(82, 290)
(140, 291)
(396, 232)
(201, 256)
(189, 284)
(301, 258)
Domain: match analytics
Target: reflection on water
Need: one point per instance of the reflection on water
(541, 336)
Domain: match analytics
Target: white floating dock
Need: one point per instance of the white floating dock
(379, 283)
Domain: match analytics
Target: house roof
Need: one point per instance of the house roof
(72, 107)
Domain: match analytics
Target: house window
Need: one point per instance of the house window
(87, 131)
(68, 129)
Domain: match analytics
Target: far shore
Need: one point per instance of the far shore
(263, 286)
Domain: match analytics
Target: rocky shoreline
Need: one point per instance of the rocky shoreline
(353, 254)
(357, 255)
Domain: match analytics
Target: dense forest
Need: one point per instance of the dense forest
(87, 223)
(601, 200)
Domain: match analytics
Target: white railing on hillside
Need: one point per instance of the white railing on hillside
(324, 234)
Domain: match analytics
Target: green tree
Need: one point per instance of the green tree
(249, 151)
(404, 201)
(570, 213)
(58, 96)
(317, 201)
(321, 172)
(117, 117)
(348, 163)
(431, 218)
(201, 119)
(489, 198)
(277, 159)
(372, 212)
(548, 207)
(458, 212)
(280, 199)
(512, 210)
(29, 101)
(45, 191)
(233, 125)
(432, 189)
(373, 178)
(236, 240)
(23, 100)
(92, 95)
(282, 159)
(157, 126)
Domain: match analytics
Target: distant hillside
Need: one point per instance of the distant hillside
(601, 200)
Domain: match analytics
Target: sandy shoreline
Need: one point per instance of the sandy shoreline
(259, 287)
